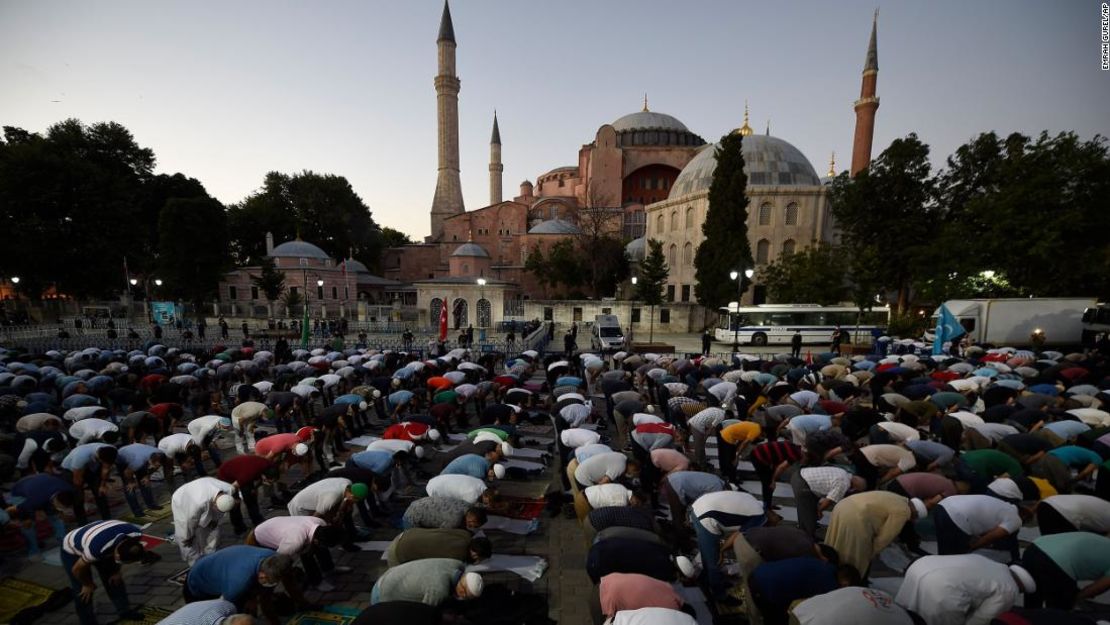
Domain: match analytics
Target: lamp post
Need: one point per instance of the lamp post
(481, 322)
(320, 295)
(634, 281)
(735, 275)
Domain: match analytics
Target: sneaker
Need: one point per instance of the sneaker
(325, 586)
(342, 569)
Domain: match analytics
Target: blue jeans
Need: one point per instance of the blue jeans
(86, 612)
(709, 545)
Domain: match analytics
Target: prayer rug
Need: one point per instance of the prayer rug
(151, 616)
(331, 615)
(23, 602)
(521, 508)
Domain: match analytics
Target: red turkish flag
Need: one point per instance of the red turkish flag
(443, 322)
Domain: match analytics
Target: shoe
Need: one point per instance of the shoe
(342, 569)
(325, 586)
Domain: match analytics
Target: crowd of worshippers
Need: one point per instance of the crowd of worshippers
(97, 424)
(981, 445)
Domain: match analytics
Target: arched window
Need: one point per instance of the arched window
(792, 214)
(689, 217)
(485, 311)
(459, 310)
(433, 311)
(765, 214)
(762, 251)
(688, 253)
(788, 247)
(674, 220)
(659, 224)
(671, 252)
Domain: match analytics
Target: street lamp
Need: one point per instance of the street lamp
(481, 298)
(157, 282)
(735, 275)
(134, 282)
(634, 281)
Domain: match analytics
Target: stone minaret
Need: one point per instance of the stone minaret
(866, 105)
(495, 166)
(448, 199)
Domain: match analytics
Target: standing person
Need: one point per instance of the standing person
(223, 328)
(202, 326)
(837, 338)
(157, 332)
(796, 344)
(103, 545)
(706, 342)
(198, 507)
(510, 340)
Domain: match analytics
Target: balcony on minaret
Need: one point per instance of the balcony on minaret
(868, 100)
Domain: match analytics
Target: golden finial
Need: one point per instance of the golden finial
(645, 102)
(744, 130)
(832, 165)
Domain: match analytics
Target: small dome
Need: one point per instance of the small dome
(649, 120)
(768, 161)
(470, 249)
(355, 266)
(299, 249)
(636, 249)
(554, 226)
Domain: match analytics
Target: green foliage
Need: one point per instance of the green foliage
(726, 247)
(907, 325)
(888, 214)
(193, 248)
(394, 238)
(575, 266)
(814, 275)
(322, 209)
(653, 275)
(292, 299)
(270, 281)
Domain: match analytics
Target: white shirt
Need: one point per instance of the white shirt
(852, 605)
(611, 465)
(36, 421)
(89, 430)
(319, 497)
(248, 411)
(392, 445)
(82, 412)
(641, 418)
(192, 504)
(707, 420)
(585, 452)
(607, 495)
(577, 437)
(1091, 416)
(575, 414)
(727, 501)
(978, 514)
(463, 487)
(174, 444)
(889, 456)
(968, 419)
(1085, 512)
(832, 483)
(957, 590)
(652, 616)
(900, 431)
(725, 392)
(289, 535)
(202, 426)
(995, 431)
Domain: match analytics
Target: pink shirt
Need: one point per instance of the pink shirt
(632, 591)
(288, 535)
(668, 460)
(276, 443)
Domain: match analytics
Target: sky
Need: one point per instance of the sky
(227, 91)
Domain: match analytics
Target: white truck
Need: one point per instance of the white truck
(1012, 321)
(606, 333)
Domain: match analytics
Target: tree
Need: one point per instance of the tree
(649, 284)
(69, 206)
(292, 300)
(888, 213)
(193, 248)
(813, 275)
(142, 258)
(394, 238)
(320, 208)
(271, 281)
(726, 247)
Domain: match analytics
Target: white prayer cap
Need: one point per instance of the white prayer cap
(419, 451)
(474, 584)
(919, 506)
(499, 471)
(507, 449)
(224, 503)
(1005, 488)
(433, 435)
(1028, 585)
(686, 567)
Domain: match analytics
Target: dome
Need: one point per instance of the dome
(636, 249)
(299, 249)
(648, 120)
(470, 249)
(355, 266)
(554, 226)
(768, 161)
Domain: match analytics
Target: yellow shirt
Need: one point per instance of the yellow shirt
(741, 432)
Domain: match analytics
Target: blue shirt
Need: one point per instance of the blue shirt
(96, 540)
(83, 457)
(470, 464)
(689, 485)
(399, 397)
(1076, 456)
(784, 581)
(1067, 429)
(349, 398)
(380, 462)
(135, 456)
(37, 491)
(810, 423)
(230, 573)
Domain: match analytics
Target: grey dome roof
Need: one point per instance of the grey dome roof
(470, 249)
(636, 249)
(648, 119)
(768, 161)
(554, 226)
(299, 249)
(356, 266)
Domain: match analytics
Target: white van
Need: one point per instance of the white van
(606, 333)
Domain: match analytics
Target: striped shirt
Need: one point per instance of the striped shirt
(208, 612)
(95, 541)
(774, 453)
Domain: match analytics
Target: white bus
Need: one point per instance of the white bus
(774, 324)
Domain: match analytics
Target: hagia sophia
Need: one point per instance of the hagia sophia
(646, 174)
